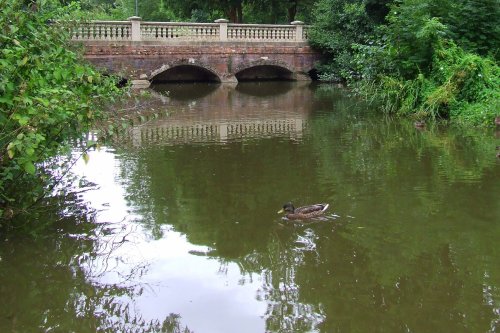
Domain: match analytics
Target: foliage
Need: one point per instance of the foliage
(49, 98)
(254, 11)
(461, 86)
(476, 26)
(420, 59)
(339, 25)
(278, 12)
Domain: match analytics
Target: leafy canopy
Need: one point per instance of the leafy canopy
(48, 97)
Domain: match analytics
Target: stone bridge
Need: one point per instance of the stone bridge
(146, 52)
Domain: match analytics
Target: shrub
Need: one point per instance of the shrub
(49, 97)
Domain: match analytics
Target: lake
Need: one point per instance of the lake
(174, 228)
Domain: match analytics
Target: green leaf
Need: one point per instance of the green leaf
(29, 168)
(23, 120)
(23, 61)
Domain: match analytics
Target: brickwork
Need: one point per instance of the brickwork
(145, 60)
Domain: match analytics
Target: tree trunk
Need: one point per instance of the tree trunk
(292, 10)
(240, 13)
(232, 14)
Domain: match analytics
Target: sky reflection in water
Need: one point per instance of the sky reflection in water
(200, 288)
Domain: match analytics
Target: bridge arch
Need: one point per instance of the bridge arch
(266, 69)
(190, 70)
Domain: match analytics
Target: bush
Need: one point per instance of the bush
(459, 85)
(49, 97)
(424, 58)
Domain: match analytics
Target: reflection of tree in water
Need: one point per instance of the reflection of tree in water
(280, 265)
(112, 305)
(51, 283)
(315, 281)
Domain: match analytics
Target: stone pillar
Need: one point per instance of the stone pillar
(136, 28)
(222, 29)
(299, 28)
(222, 132)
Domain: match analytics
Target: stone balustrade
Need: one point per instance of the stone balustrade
(165, 31)
(220, 31)
(177, 131)
(103, 30)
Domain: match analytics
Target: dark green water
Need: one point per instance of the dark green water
(185, 233)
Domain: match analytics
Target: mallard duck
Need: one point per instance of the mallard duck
(303, 213)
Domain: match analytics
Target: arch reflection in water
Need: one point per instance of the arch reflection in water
(226, 113)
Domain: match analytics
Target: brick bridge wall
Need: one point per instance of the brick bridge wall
(143, 61)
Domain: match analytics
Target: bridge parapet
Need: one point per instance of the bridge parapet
(165, 32)
(172, 132)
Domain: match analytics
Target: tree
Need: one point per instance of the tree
(237, 11)
(49, 97)
(340, 25)
(476, 26)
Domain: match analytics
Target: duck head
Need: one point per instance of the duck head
(287, 208)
